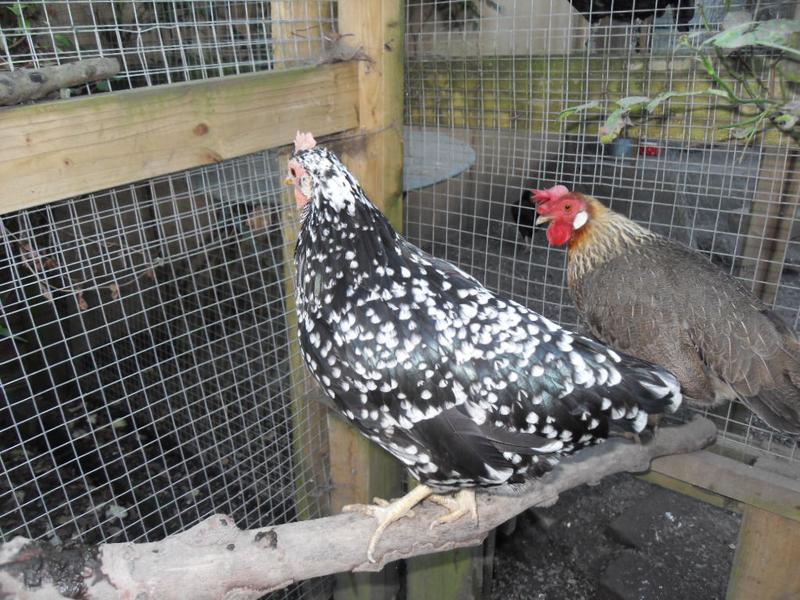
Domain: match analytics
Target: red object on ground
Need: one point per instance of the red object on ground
(649, 150)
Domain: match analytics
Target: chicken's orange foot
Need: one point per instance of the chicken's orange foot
(388, 512)
(461, 504)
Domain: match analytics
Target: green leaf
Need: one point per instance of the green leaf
(102, 86)
(741, 134)
(774, 34)
(568, 112)
(664, 96)
(786, 122)
(741, 124)
(632, 102)
(19, 10)
(613, 126)
(63, 42)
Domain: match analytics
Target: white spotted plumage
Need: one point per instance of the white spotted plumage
(464, 386)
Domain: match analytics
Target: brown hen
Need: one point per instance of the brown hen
(658, 300)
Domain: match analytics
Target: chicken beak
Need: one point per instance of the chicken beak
(288, 180)
(543, 219)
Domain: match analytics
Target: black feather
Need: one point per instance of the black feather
(523, 215)
(465, 386)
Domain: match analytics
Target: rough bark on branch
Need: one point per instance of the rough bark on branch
(30, 84)
(215, 559)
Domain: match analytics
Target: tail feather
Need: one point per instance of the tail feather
(778, 406)
(652, 389)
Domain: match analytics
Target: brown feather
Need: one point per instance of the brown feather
(658, 300)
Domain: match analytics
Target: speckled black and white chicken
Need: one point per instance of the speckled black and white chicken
(464, 386)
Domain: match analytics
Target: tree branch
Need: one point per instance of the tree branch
(215, 559)
(30, 84)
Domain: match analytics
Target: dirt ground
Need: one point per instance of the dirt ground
(624, 539)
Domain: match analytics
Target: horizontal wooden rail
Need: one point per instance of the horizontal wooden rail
(727, 477)
(60, 149)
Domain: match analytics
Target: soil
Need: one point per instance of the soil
(624, 539)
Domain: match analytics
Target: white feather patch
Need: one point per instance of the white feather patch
(580, 219)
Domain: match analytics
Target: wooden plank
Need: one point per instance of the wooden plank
(765, 217)
(454, 575)
(377, 26)
(359, 469)
(727, 477)
(693, 491)
(60, 149)
(767, 558)
(779, 230)
(309, 415)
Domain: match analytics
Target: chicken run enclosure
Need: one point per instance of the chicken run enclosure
(150, 371)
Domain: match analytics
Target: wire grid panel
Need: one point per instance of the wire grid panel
(163, 42)
(146, 363)
(494, 82)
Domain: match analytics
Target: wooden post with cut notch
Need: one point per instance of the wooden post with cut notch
(361, 470)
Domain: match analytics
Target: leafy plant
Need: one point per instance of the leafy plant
(740, 61)
(63, 42)
(21, 11)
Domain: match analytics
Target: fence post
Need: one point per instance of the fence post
(309, 422)
(767, 555)
(361, 470)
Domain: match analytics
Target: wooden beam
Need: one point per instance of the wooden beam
(766, 218)
(309, 414)
(60, 149)
(359, 469)
(727, 477)
(779, 230)
(377, 26)
(767, 558)
(454, 575)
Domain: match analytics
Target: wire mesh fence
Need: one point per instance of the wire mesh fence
(163, 42)
(148, 374)
(146, 363)
(492, 78)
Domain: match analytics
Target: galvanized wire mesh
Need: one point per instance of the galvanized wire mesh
(163, 42)
(148, 375)
(493, 83)
(145, 361)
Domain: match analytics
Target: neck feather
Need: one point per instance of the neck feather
(606, 235)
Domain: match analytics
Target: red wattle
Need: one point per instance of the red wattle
(559, 233)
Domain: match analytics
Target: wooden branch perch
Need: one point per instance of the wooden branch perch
(215, 559)
(30, 84)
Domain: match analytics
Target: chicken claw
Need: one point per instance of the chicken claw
(388, 512)
(461, 504)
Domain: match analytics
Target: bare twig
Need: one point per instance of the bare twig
(215, 559)
(30, 84)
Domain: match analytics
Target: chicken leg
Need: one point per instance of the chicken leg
(388, 512)
(461, 504)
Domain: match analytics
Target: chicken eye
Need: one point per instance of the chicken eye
(567, 207)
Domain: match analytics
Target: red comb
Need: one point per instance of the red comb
(554, 193)
(304, 141)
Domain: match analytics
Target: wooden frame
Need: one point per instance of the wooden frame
(128, 136)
